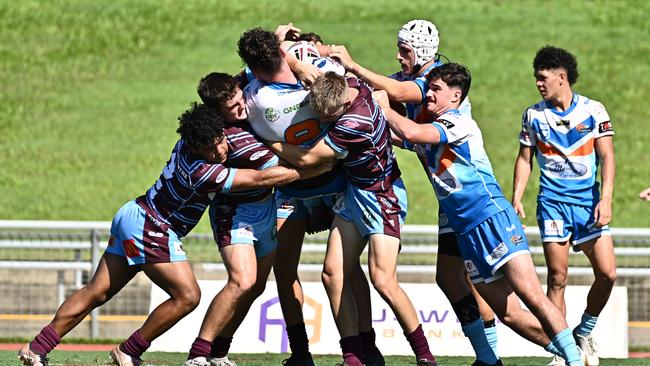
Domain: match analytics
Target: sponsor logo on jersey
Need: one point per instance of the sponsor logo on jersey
(544, 130)
(516, 239)
(443, 220)
(605, 127)
(583, 128)
(368, 218)
(445, 123)
(511, 228)
(155, 234)
(563, 122)
(271, 114)
(222, 176)
(178, 248)
(293, 108)
(246, 232)
(566, 169)
(497, 253)
(553, 227)
(258, 155)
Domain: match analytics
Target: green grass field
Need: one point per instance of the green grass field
(168, 359)
(91, 90)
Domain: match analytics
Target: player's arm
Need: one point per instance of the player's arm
(605, 151)
(305, 72)
(407, 130)
(304, 157)
(274, 176)
(523, 167)
(398, 91)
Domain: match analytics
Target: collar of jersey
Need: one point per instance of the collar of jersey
(276, 85)
(574, 102)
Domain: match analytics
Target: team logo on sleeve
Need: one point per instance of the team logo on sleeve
(605, 127)
(445, 123)
(222, 176)
(271, 114)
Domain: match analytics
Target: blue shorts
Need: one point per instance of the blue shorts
(251, 223)
(381, 212)
(559, 222)
(293, 208)
(141, 238)
(492, 244)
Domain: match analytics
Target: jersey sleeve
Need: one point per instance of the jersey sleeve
(342, 135)
(451, 131)
(213, 178)
(603, 123)
(421, 82)
(526, 135)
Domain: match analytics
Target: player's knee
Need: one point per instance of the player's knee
(242, 284)
(608, 277)
(331, 278)
(447, 283)
(384, 283)
(557, 280)
(97, 295)
(188, 299)
(258, 288)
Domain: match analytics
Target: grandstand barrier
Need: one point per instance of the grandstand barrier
(71, 252)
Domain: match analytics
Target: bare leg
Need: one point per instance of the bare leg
(601, 255)
(291, 234)
(557, 262)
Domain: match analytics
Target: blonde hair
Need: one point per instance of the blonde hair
(328, 93)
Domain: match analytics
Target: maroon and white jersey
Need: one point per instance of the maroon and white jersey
(246, 152)
(361, 138)
(185, 188)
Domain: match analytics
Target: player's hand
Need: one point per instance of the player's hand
(381, 97)
(603, 212)
(645, 194)
(519, 209)
(341, 53)
(307, 73)
(287, 32)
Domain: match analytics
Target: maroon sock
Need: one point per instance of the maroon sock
(220, 347)
(368, 346)
(298, 340)
(351, 347)
(200, 348)
(135, 345)
(45, 341)
(419, 344)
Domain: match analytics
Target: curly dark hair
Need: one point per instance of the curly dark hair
(260, 50)
(216, 88)
(453, 74)
(310, 37)
(550, 58)
(200, 126)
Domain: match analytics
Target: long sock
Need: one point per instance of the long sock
(368, 345)
(419, 344)
(564, 342)
(551, 348)
(298, 340)
(200, 348)
(351, 347)
(135, 345)
(475, 331)
(490, 330)
(586, 326)
(220, 347)
(45, 341)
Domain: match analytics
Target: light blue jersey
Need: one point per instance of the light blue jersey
(460, 172)
(564, 147)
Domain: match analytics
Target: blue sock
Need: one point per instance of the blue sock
(474, 331)
(551, 348)
(586, 326)
(491, 335)
(564, 342)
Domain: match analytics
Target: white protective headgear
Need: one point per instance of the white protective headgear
(422, 37)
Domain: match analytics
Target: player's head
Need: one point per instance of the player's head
(448, 87)
(222, 91)
(260, 50)
(329, 96)
(417, 44)
(201, 127)
(555, 70)
(311, 37)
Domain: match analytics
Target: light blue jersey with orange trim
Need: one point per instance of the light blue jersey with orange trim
(564, 147)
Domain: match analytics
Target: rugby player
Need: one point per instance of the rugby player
(372, 209)
(570, 135)
(490, 236)
(146, 236)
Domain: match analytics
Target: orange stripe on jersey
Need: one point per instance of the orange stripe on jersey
(586, 149)
(446, 160)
